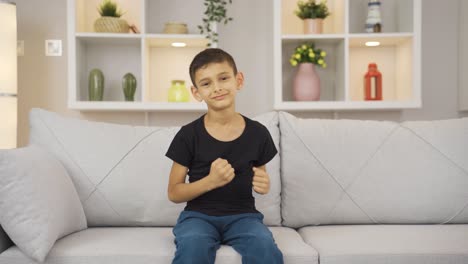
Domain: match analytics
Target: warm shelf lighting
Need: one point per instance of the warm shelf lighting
(178, 44)
(372, 43)
(8, 75)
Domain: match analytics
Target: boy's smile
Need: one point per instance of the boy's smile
(217, 85)
(220, 97)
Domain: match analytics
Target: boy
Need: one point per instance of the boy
(224, 154)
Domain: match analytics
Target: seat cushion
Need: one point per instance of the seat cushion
(384, 244)
(147, 245)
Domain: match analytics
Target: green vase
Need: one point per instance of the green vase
(178, 92)
(95, 85)
(129, 84)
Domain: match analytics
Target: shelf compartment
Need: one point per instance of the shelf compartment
(333, 24)
(385, 39)
(160, 12)
(165, 40)
(164, 63)
(86, 13)
(394, 60)
(396, 15)
(96, 52)
(331, 78)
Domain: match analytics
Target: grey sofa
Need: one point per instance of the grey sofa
(343, 191)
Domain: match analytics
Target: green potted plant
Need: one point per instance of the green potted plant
(313, 14)
(110, 20)
(306, 81)
(215, 12)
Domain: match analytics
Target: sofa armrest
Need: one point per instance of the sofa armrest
(5, 241)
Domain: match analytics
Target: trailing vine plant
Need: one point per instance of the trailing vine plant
(216, 11)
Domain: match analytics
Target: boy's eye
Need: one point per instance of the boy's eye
(224, 78)
(204, 84)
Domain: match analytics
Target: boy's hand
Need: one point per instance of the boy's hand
(221, 172)
(261, 180)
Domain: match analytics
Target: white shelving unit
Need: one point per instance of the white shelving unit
(398, 57)
(147, 55)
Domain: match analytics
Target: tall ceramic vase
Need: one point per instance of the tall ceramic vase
(306, 83)
(95, 85)
(129, 84)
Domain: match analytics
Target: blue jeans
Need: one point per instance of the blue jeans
(198, 236)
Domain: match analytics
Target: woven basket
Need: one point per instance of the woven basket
(111, 24)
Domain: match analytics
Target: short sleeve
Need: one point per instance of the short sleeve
(179, 150)
(267, 149)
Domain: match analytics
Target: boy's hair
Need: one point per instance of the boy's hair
(207, 56)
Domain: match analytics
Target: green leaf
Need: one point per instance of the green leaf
(215, 11)
(312, 9)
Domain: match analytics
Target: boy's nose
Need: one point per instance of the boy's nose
(216, 87)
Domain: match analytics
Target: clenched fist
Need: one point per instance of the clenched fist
(261, 181)
(221, 172)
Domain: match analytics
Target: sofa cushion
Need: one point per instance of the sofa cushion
(358, 172)
(145, 245)
(382, 244)
(121, 171)
(269, 204)
(38, 202)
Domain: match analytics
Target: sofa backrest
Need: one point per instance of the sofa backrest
(373, 172)
(121, 171)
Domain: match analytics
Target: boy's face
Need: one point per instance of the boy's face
(217, 85)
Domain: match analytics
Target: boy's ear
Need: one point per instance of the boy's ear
(195, 94)
(240, 80)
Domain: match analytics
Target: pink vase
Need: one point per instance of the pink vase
(306, 83)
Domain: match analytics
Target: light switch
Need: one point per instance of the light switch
(53, 47)
(20, 47)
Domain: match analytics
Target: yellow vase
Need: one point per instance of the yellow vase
(178, 92)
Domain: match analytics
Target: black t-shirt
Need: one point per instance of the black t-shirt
(196, 149)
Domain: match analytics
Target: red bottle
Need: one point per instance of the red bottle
(373, 83)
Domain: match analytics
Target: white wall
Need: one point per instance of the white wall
(463, 56)
(439, 62)
(42, 80)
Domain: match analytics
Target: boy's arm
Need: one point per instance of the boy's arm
(261, 180)
(178, 191)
